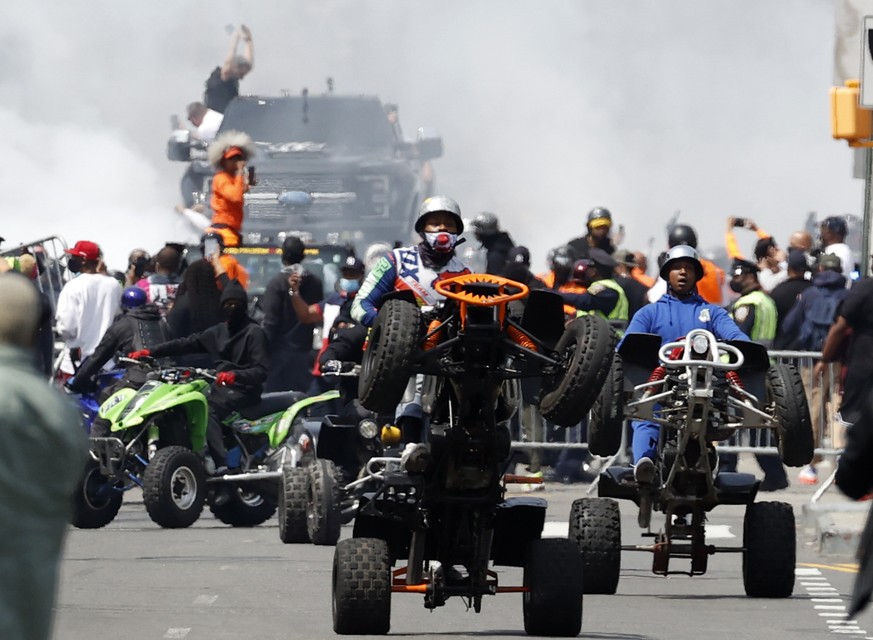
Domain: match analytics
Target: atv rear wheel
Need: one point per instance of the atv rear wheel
(361, 600)
(770, 548)
(323, 517)
(387, 363)
(95, 502)
(553, 575)
(586, 350)
(174, 487)
(794, 436)
(595, 526)
(292, 505)
(607, 415)
(244, 508)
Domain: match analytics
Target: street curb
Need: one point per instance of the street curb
(835, 528)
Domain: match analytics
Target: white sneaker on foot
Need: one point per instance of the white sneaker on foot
(808, 475)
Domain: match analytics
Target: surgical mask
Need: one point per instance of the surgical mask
(736, 286)
(441, 241)
(349, 285)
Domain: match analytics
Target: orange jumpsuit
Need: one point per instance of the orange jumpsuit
(228, 200)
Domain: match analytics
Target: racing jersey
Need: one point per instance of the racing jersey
(402, 270)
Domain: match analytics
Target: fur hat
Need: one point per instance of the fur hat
(224, 142)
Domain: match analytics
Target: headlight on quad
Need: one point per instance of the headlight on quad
(368, 429)
(700, 345)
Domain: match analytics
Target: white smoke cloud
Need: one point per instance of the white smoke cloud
(546, 109)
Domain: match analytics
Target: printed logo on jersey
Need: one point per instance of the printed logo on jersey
(704, 315)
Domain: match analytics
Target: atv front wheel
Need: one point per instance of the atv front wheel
(323, 517)
(553, 575)
(595, 526)
(244, 508)
(607, 415)
(586, 351)
(95, 502)
(794, 434)
(292, 505)
(387, 364)
(770, 549)
(174, 487)
(361, 600)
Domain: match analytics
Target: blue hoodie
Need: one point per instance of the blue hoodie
(672, 318)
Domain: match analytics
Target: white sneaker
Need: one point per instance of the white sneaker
(415, 457)
(531, 487)
(644, 471)
(808, 475)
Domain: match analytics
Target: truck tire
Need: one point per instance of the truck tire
(361, 599)
(586, 350)
(795, 437)
(387, 363)
(595, 526)
(90, 509)
(607, 415)
(770, 548)
(244, 508)
(553, 574)
(174, 488)
(323, 517)
(292, 505)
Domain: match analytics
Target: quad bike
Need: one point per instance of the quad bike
(445, 512)
(699, 391)
(322, 492)
(157, 431)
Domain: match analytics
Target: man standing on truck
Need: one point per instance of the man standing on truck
(222, 86)
(229, 154)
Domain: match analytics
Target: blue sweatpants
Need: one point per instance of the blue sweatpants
(645, 440)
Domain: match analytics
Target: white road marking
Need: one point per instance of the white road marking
(562, 529)
(204, 599)
(556, 529)
(176, 633)
(834, 614)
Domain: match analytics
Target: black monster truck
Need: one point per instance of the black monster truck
(446, 514)
(327, 165)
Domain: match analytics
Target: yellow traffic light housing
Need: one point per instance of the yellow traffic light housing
(850, 121)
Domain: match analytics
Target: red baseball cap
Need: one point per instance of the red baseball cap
(86, 250)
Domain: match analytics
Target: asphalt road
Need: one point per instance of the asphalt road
(136, 581)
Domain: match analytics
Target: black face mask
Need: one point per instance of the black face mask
(736, 286)
(235, 316)
(74, 264)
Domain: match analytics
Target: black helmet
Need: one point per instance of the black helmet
(681, 252)
(599, 214)
(682, 234)
(486, 224)
(837, 225)
(563, 256)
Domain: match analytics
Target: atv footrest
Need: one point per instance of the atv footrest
(736, 488)
(619, 483)
(109, 454)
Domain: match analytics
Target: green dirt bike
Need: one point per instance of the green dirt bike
(156, 432)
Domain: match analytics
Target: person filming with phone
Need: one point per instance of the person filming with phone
(229, 155)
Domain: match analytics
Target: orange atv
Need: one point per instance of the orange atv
(444, 510)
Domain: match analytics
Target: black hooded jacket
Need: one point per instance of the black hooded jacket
(243, 351)
(497, 246)
(139, 328)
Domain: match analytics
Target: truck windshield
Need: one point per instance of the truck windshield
(353, 124)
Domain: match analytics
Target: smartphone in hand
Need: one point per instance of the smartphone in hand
(252, 178)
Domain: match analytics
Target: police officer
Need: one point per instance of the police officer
(497, 243)
(604, 296)
(755, 314)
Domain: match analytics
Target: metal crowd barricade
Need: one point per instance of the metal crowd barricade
(51, 261)
(822, 397)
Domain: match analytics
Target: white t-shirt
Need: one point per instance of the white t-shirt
(87, 305)
(769, 280)
(841, 249)
(208, 128)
